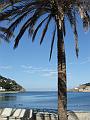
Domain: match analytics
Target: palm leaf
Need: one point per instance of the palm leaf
(2, 36)
(28, 23)
(75, 35)
(21, 32)
(7, 14)
(85, 17)
(52, 43)
(6, 31)
(14, 24)
(76, 40)
(72, 20)
(86, 22)
(35, 32)
(45, 30)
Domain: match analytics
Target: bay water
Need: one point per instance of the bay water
(77, 101)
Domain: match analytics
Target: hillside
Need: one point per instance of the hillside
(7, 84)
(82, 88)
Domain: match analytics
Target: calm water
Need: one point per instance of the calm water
(46, 100)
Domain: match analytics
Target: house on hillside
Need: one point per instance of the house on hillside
(2, 89)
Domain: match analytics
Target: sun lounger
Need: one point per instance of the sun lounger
(0, 111)
(39, 116)
(16, 114)
(46, 116)
(3, 118)
(6, 112)
(22, 113)
(30, 116)
(54, 116)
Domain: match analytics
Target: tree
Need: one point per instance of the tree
(56, 11)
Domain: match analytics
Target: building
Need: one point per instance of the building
(2, 89)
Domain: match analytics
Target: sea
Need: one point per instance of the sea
(47, 100)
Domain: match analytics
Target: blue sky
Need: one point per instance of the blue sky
(29, 64)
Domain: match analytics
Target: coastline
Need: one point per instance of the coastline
(79, 91)
(42, 91)
(10, 91)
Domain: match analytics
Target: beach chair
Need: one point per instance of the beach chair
(1, 111)
(30, 115)
(16, 114)
(3, 118)
(54, 116)
(46, 116)
(6, 113)
(22, 113)
(40, 116)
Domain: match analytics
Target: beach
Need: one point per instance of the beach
(29, 114)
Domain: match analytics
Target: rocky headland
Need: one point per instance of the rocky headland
(7, 84)
(81, 88)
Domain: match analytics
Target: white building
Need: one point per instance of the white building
(1, 89)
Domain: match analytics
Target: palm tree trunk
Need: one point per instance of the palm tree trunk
(62, 89)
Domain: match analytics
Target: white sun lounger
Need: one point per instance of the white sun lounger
(54, 116)
(30, 116)
(18, 116)
(46, 116)
(16, 113)
(22, 113)
(3, 118)
(0, 111)
(6, 112)
(39, 116)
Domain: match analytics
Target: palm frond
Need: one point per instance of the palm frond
(35, 32)
(45, 29)
(76, 40)
(14, 24)
(28, 23)
(52, 43)
(2, 36)
(39, 13)
(2, 29)
(5, 31)
(7, 14)
(86, 22)
(72, 20)
(85, 18)
(36, 9)
(21, 32)
(70, 17)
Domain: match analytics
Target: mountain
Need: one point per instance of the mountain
(82, 88)
(7, 84)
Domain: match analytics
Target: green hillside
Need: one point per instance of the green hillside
(9, 85)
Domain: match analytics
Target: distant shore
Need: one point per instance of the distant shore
(10, 91)
(73, 90)
(31, 91)
(77, 91)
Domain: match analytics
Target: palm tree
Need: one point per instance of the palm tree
(37, 13)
